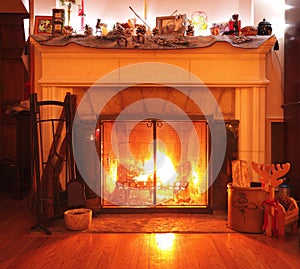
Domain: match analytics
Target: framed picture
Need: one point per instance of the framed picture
(58, 15)
(43, 25)
(171, 25)
(57, 28)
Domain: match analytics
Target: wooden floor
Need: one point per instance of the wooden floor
(21, 249)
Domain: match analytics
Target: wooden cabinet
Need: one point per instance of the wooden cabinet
(12, 80)
(292, 95)
(24, 154)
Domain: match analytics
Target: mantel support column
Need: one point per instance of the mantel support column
(54, 93)
(250, 110)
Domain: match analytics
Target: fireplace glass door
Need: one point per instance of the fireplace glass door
(154, 163)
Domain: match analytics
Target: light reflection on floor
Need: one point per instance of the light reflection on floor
(165, 242)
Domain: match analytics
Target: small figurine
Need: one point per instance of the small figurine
(236, 24)
(98, 27)
(140, 33)
(190, 29)
(88, 30)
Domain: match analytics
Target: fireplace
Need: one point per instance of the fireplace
(155, 146)
(150, 122)
(154, 163)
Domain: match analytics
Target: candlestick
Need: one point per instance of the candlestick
(81, 13)
(145, 9)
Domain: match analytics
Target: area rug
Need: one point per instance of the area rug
(149, 223)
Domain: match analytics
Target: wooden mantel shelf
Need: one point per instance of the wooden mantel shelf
(219, 64)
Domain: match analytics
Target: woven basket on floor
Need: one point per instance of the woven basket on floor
(78, 219)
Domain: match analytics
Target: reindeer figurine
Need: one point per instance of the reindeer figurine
(270, 175)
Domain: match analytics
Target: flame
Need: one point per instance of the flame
(195, 178)
(165, 170)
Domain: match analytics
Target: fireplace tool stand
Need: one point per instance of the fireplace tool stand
(48, 173)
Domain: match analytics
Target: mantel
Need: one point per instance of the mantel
(218, 64)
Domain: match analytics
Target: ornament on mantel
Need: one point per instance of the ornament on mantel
(236, 24)
(98, 27)
(264, 28)
(199, 21)
(81, 14)
(190, 29)
(155, 31)
(101, 28)
(67, 30)
(88, 30)
(140, 33)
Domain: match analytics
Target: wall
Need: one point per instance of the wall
(217, 10)
(274, 13)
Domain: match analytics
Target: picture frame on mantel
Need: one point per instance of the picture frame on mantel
(171, 25)
(58, 17)
(43, 25)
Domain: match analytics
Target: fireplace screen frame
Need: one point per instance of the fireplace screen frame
(155, 189)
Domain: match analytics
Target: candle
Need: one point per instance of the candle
(145, 9)
(81, 13)
(82, 17)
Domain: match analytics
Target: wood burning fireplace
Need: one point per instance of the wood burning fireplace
(149, 121)
(154, 163)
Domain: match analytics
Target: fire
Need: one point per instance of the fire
(144, 171)
(165, 170)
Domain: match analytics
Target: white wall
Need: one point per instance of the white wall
(273, 11)
(251, 11)
(118, 10)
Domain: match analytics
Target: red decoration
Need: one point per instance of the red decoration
(81, 13)
(268, 205)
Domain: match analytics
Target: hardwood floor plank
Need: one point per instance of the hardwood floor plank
(131, 252)
(101, 250)
(163, 251)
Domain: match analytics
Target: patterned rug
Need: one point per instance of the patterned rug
(150, 223)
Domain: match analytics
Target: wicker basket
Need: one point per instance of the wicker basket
(78, 219)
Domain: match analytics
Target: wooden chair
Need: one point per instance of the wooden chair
(288, 217)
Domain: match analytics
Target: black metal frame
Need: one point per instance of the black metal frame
(60, 154)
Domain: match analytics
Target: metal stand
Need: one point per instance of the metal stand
(47, 173)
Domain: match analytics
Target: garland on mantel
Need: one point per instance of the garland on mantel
(149, 42)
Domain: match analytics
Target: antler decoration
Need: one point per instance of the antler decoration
(270, 173)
